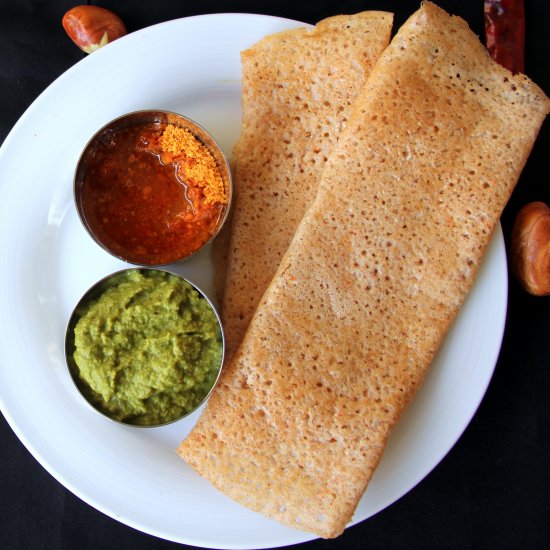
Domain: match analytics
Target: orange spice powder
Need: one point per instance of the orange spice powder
(196, 165)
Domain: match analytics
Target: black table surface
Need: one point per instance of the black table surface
(492, 490)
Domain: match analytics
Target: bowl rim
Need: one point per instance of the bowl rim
(73, 319)
(199, 132)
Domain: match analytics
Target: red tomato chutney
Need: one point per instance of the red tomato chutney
(152, 194)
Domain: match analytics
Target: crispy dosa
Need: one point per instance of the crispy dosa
(373, 278)
(298, 86)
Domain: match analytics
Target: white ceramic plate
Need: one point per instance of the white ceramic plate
(47, 262)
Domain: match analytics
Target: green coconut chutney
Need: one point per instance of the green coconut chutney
(148, 349)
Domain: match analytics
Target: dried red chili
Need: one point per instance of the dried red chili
(505, 32)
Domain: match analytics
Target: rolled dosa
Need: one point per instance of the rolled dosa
(374, 277)
(298, 86)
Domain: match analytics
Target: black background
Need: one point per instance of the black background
(493, 488)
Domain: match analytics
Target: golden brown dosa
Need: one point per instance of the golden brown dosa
(298, 86)
(373, 278)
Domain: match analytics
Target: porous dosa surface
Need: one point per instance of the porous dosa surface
(298, 86)
(372, 280)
